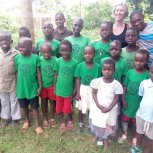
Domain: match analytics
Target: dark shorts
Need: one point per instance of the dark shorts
(128, 119)
(24, 103)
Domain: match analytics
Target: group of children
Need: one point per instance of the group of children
(105, 80)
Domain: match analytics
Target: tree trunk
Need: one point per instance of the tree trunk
(27, 16)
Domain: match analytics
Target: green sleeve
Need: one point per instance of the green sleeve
(125, 68)
(55, 68)
(126, 80)
(37, 46)
(77, 71)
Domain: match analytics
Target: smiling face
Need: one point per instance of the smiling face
(46, 51)
(119, 12)
(59, 20)
(65, 51)
(5, 41)
(77, 26)
(137, 21)
(25, 46)
(88, 54)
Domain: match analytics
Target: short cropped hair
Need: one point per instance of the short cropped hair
(109, 61)
(116, 42)
(60, 14)
(66, 42)
(26, 31)
(143, 51)
(126, 9)
(6, 33)
(109, 23)
(136, 12)
(134, 30)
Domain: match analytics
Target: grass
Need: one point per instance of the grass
(52, 141)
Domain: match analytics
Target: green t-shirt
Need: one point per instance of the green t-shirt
(121, 68)
(128, 56)
(85, 74)
(54, 44)
(132, 82)
(47, 72)
(65, 78)
(78, 45)
(26, 67)
(101, 50)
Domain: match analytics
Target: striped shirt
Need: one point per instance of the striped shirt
(146, 40)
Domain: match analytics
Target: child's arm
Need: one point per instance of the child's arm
(55, 79)
(39, 81)
(94, 94)
(114, 102)
(123, 98)
(77, 84)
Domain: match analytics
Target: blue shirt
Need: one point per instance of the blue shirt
(145, 110)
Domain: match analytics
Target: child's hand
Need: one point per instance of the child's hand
(74, 93)
(125, 105)
(39, 91)
(105, 110)
(78, 97)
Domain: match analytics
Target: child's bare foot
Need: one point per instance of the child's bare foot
(45, 124)
(25, 126)
(63, 128)
(39, 130)
(70, 125)
(53, 123)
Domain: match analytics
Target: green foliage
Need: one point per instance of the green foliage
(8, 24)
(145, 5)
(95, 13)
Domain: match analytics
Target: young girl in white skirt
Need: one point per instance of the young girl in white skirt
(105, 91)
(85, 72)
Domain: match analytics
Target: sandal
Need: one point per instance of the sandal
(63, 128)
(81, 127)
(122, 139)
(25, 126)
(135, 149)
(53, 123)
(39, 130)
(45, 124)
(70, 125)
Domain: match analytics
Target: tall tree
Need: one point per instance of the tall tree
(27, 16)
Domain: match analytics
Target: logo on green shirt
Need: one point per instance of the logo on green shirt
(25, 69)
(133, 88)
(75, 48)
(130, 63)
(100, 52)
(66, 71)
(87, 79)
(48, 70)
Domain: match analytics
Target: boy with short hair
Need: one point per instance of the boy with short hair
(48, 30)
(10, 106)
(78, 41)
(144, 115)
(28, 82)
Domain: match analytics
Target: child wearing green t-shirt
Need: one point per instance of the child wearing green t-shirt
(85, 73)
(47, 62)
(48, 31)
(131, 99)
(102, 46)
(28, 82)
(78, 41)
(128, 52)
(121, 65)
(64, 85)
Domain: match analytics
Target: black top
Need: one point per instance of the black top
(120, 37)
